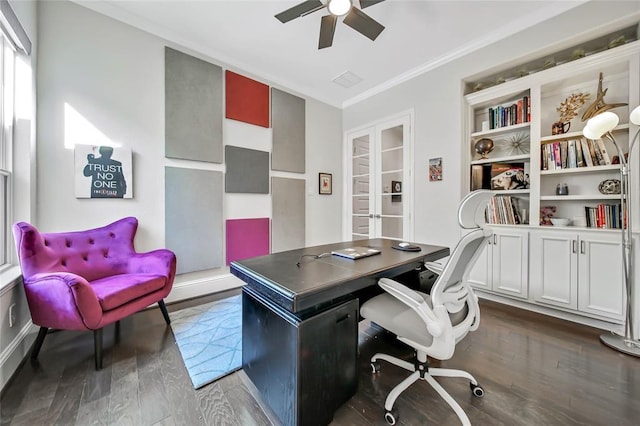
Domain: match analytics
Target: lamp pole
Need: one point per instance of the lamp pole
(597, 127)
(626, 344)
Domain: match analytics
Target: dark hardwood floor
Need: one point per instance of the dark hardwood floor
(535, 370)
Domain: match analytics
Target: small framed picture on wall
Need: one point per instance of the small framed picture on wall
(324, 183)
(435, 169)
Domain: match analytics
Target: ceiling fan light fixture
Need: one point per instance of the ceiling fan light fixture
(339, 7)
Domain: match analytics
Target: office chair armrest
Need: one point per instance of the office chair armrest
(435, 267)
(415, 301)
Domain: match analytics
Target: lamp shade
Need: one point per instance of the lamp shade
(600, 124)
(339, 7)
(634, 117)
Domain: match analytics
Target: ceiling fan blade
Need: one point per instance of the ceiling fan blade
(304, 8)
(366, 3)
(327, 29)
(363, 23)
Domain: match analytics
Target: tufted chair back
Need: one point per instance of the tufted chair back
(92, 254)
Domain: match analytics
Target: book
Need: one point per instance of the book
(572, 156)
(577, 147)
(592, 152)
(563, 154)
(586, 154)
(506, 176)
(603, 151)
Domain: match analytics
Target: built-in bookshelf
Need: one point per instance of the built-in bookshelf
(528, 259)
(523, 139)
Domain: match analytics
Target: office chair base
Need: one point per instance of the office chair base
(391, 414)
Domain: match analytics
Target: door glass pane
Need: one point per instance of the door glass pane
(392, 204)
(392, 160)
(361, 225)
(392, 138)
(361, 205)
(392, 227)
(360, 162)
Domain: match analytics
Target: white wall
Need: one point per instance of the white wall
(113, 75)
(437, 95)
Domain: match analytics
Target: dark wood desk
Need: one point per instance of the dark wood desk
(300, 323)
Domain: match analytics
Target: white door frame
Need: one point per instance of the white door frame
(375, 128)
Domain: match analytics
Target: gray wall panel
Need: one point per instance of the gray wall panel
(288, 214)
(288, 124)
(247, 170)
(193, 108)
(193, 217)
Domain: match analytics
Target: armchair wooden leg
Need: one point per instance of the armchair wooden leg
(38, 343)
(117, 332)
(165, 314)
(97, 343)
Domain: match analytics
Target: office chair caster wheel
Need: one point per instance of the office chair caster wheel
(375, 367)
(477, 390)
(391, 416)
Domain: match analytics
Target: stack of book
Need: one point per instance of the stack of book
(605, 216)
(573, 153)
(510, 114)
(504, 210)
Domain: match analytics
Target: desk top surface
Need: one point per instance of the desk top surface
(329, 277)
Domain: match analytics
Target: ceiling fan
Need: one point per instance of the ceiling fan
(355, 18)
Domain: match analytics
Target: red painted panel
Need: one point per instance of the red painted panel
(247, 99)
(247, 238)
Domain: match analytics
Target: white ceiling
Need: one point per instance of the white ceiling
(244, 34)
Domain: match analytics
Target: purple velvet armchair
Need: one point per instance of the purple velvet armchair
(86, 280)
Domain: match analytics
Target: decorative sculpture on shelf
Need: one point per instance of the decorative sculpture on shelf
(483, 147)
(599, 105)
(568, 109)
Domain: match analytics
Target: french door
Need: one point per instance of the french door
(379, 180)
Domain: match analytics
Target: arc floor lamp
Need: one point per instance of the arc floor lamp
(597, 127)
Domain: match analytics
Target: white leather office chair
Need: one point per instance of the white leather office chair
(434, 324)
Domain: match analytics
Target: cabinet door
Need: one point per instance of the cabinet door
(554, 269)
(480, 273)
(510, 261)
(601, 286)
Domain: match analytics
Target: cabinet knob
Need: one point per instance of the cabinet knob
(378, 216)
(370, 215)
(582, 247)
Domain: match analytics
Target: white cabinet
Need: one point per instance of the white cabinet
(578, 271)
(379, 186)
(503, 264)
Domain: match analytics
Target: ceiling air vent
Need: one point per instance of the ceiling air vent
(347, 79)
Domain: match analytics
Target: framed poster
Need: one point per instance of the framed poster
(396, 191)
(103, 172)
(435, 169)
(324, 183)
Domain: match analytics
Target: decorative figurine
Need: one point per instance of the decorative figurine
(483, 147)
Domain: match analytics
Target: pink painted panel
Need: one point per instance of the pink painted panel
(247, 238)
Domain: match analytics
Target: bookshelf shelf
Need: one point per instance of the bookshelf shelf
(593, 169)
(508, 159)
(589, 197)
(577, 135)
(511, 191)
(501, 130)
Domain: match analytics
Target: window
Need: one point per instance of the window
(6, 144)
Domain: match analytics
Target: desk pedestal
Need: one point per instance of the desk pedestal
(303, 368)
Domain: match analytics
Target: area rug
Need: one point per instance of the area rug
(210, 339)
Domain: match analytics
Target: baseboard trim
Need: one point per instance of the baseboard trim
(552, 312)
(202, 286)
(14, 354)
